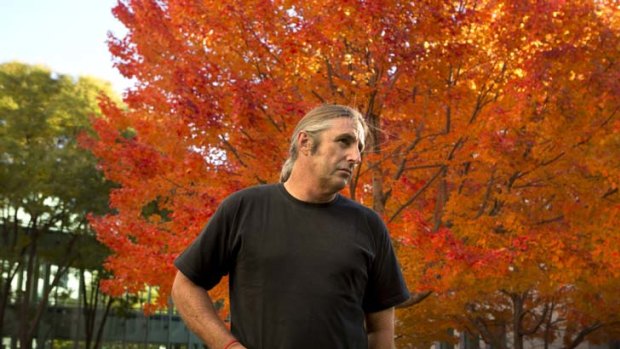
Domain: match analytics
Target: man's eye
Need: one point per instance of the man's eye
(344, 141)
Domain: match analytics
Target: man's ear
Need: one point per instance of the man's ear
(304, 143)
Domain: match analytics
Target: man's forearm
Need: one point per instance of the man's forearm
(196, 309)
(380, 329)
(381, 340)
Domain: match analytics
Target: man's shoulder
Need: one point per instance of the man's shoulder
(252, 193)
(359, 208)
(247, 198)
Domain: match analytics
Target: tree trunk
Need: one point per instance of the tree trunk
(102, 323)
(90, 306)
(24, 331)
(517, 315)
(29, 324)
(88, 311)
(9, 237)
(6, 292)
(440, 199)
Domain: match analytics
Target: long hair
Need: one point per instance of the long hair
(313, 123)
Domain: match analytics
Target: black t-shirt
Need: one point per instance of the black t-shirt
(302, 275)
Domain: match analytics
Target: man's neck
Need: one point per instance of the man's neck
(306, 192)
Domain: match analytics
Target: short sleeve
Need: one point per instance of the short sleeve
(210, 256)
(386, 287)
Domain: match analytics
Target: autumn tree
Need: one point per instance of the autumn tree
(494, 157)
(49, 184)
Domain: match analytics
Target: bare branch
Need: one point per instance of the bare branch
(415, 298)
(550, 220)
(270, 118)
(582, 335)
(552, 160)
(416, 195)
(232, 150)
(330, 76)
(539, 323)
(610, 192)
(487, 196)
(317, 95)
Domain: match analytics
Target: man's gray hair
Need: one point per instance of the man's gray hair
(316, 121)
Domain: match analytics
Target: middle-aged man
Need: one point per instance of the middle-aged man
(309, 268)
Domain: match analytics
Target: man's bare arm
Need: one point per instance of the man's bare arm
(196, 309)
(380, 329)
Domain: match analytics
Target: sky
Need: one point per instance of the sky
(67, 36)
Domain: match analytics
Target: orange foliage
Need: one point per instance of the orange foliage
(495, 161)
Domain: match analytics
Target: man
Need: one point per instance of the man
(308, 267)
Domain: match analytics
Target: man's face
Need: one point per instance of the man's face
(338, 152)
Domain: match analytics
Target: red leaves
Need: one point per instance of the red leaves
(495, 125)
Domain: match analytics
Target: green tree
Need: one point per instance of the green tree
(49, 185)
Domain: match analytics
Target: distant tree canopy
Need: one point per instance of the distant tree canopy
(495, 156)
(44, 172)
(47, 184)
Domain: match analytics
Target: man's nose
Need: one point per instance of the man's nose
(354, 156)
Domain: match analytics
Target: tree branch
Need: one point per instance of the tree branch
(550, 220)
(487, 196)
(582, 335)
(416, 195)
(233, 150)
(539, 323)
(415, 299)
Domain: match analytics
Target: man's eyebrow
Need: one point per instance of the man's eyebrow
(350, 136)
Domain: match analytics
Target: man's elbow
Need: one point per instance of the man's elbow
(179, 285)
